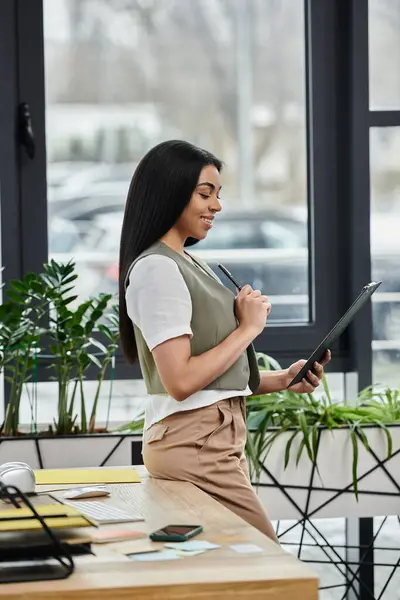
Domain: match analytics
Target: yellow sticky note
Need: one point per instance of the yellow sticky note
(84, 476)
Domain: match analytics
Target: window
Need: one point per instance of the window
(384, 50)
(255, 85)
(384, 46)
(385, 251)
(118, 82)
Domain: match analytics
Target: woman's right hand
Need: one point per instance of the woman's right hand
(252, 309)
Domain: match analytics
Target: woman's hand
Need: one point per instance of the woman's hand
(307, 386)
(183, 374)
(252, 309)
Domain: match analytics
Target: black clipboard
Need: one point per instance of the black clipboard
(336, 331)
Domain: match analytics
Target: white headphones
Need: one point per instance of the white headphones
(19, 474)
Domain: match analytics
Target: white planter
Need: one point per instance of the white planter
(299, 490)
(69, 451)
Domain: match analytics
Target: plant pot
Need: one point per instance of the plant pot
(301, 490)
(81, 450)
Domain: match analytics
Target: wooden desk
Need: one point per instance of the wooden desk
(221, 573)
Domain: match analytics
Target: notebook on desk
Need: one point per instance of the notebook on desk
(56, 516)
(86, 476)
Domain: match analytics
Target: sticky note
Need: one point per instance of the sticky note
(192, 545)
(139, 547)
(189, 553)
(103, 536)
(155, 556)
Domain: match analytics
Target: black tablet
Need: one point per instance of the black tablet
(337, 330)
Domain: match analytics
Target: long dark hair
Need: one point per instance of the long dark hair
(161, 187)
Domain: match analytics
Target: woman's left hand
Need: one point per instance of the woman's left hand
(307, 386)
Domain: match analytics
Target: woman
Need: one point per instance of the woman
(192, 335)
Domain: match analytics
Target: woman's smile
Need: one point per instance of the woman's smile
(208, 221)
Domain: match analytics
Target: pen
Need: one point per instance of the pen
(230, 276)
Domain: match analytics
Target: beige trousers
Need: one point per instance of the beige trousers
(205, 447)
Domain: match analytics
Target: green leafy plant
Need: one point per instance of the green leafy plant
(109, 329)
(134, 426)
(42, 322)
(305, 416)
(73, 345)
(20, 330)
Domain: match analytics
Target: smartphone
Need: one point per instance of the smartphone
(175, 533)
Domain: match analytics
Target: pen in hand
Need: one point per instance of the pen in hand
(230, 276)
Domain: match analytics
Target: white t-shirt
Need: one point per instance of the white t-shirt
(159, 304)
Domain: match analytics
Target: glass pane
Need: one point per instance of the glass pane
(117, 405)
(118, 82)
(385, 252)
(386, 534)
(384, 50)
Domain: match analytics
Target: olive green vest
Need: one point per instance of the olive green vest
(213, 319)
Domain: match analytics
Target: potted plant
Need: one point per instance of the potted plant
(316, 457)
(42, 326)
